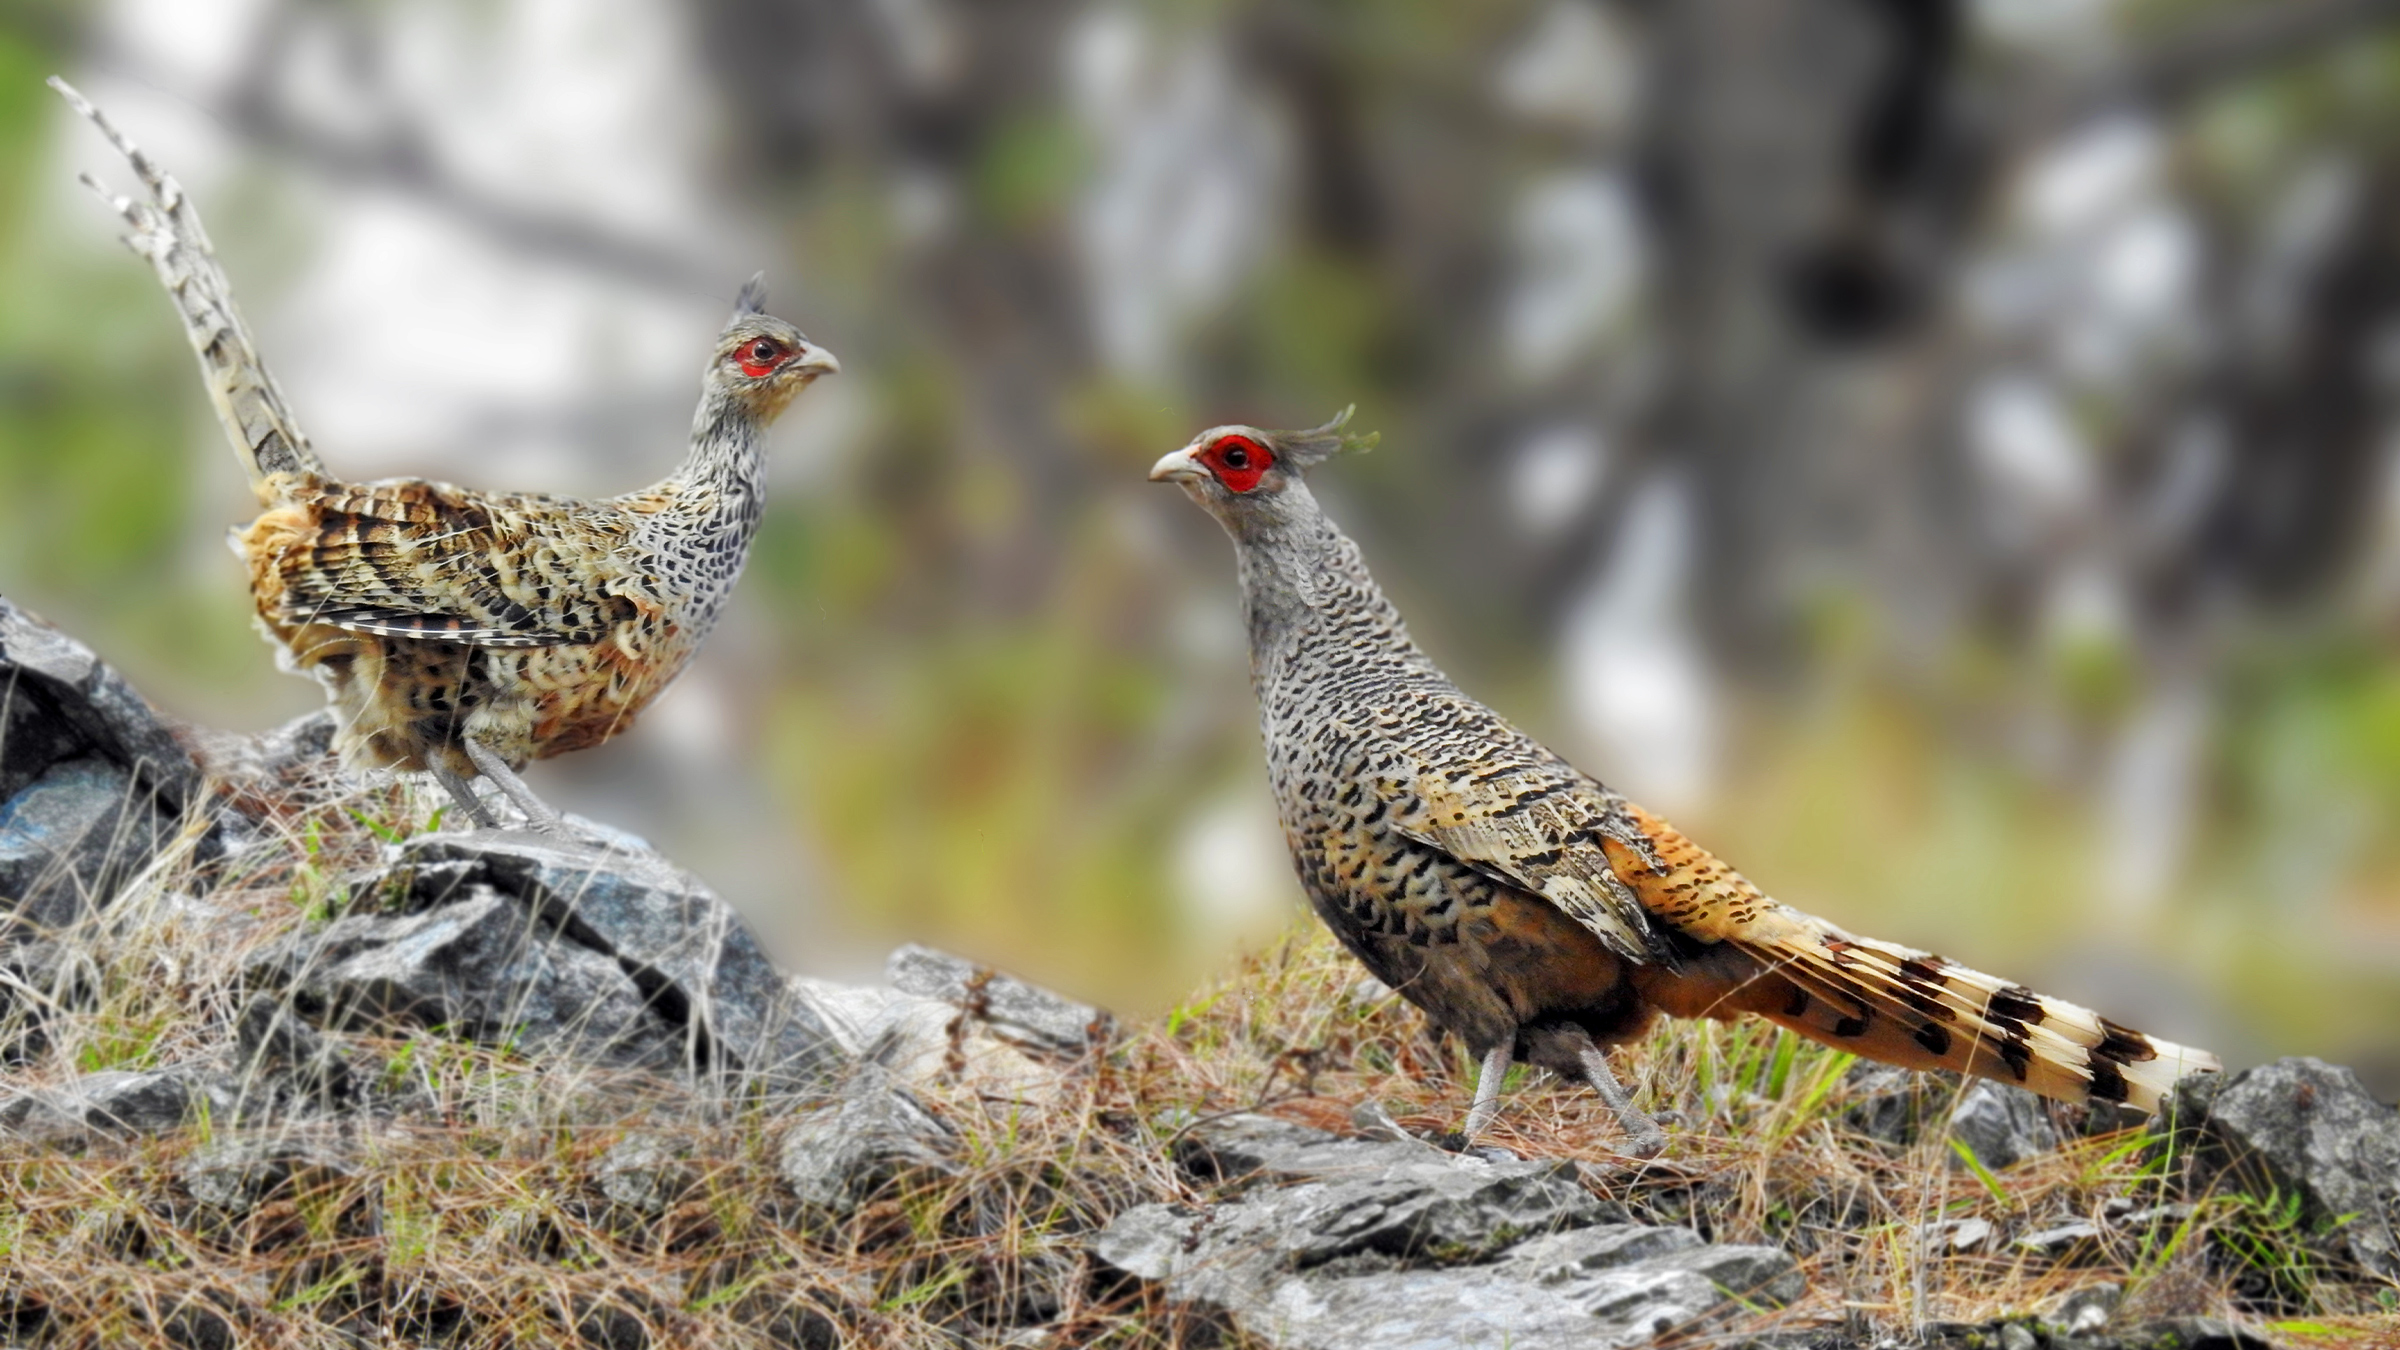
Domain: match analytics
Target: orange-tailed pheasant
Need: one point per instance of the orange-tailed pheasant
(460, 632)
(1523, 905)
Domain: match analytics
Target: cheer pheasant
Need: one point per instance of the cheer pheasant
(460, 632)
(1520, 903)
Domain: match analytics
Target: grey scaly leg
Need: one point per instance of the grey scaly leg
(465, 796)
(1487, 1088)
(490, 765)
(1643, 1138)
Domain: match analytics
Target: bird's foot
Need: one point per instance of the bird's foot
(537, 812)
(463, 794)
(1643, 1137)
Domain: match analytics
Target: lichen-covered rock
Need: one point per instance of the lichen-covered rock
(118, 1102)
(38, 979)
(93, 781)
(1892, 1105)
(65, 702)
(2170, 1333)
(873, 1136)
(2303, 1127)
(686, 950)
(281, 1062)
(70, 838)
(648, 1174)
(1343, 1242)
(1024, 1014)
(2002, 1125)
(235, 1176)
(482, 966)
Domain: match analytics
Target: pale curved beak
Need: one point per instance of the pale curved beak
(814, 360)
(1177, 467)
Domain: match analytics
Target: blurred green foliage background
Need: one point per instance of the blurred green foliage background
(1940, 453)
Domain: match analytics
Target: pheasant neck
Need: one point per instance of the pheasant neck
(722, 480)
(1308, 600)
(700, 536)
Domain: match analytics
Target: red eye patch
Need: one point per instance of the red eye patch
(1238, 462)
(759, 359)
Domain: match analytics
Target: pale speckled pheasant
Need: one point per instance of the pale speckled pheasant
(460, 632)
(1522, 904)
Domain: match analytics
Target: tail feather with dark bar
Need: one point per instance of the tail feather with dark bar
(1893, 1003)
(168, 233)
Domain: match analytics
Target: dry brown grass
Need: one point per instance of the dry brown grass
(464, 1211)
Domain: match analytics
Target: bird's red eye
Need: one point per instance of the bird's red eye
(761, 357)
(1238, 462)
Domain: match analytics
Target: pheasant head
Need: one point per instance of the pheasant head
(1251, 480)
(762, 361)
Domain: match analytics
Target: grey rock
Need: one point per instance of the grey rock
(272, 761)
(2083, 1311)
(304, 740)
(32, 736)
(1681, 1288)
(279, 1059)
(921, 1040)
(1563, 1258)
(2153, 1216)
(1615, 1285)
(1381, 1196)
(39, 979)
(236, 1176)
(1959, 1235)
(2172, 1333)
(1239, 1147)
(1342, 1242)
(1459, 1210)
(875, 1135)
(2060, 1240)
(2304, 1127)
(117, 1102)
(2002, 1125)
(71, 837)
(688, 952)
(648, 1174)
(2190, 1333)
(1025, 1014)
(1247, 1148)
(481, 965)
(94, 706)
(1891, 1105)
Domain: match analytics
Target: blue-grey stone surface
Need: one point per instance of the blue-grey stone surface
(2002, 1125)
(1343, 1242)
(87, 708)
(2300, 1126)
(71, 838)
(93, 781)
(484, 967)
(691, 962)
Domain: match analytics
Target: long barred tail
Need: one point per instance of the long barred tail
(166, 230)
(1892, 1003)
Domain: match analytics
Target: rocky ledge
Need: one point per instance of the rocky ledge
(1329, 1242)
(338, 1010)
